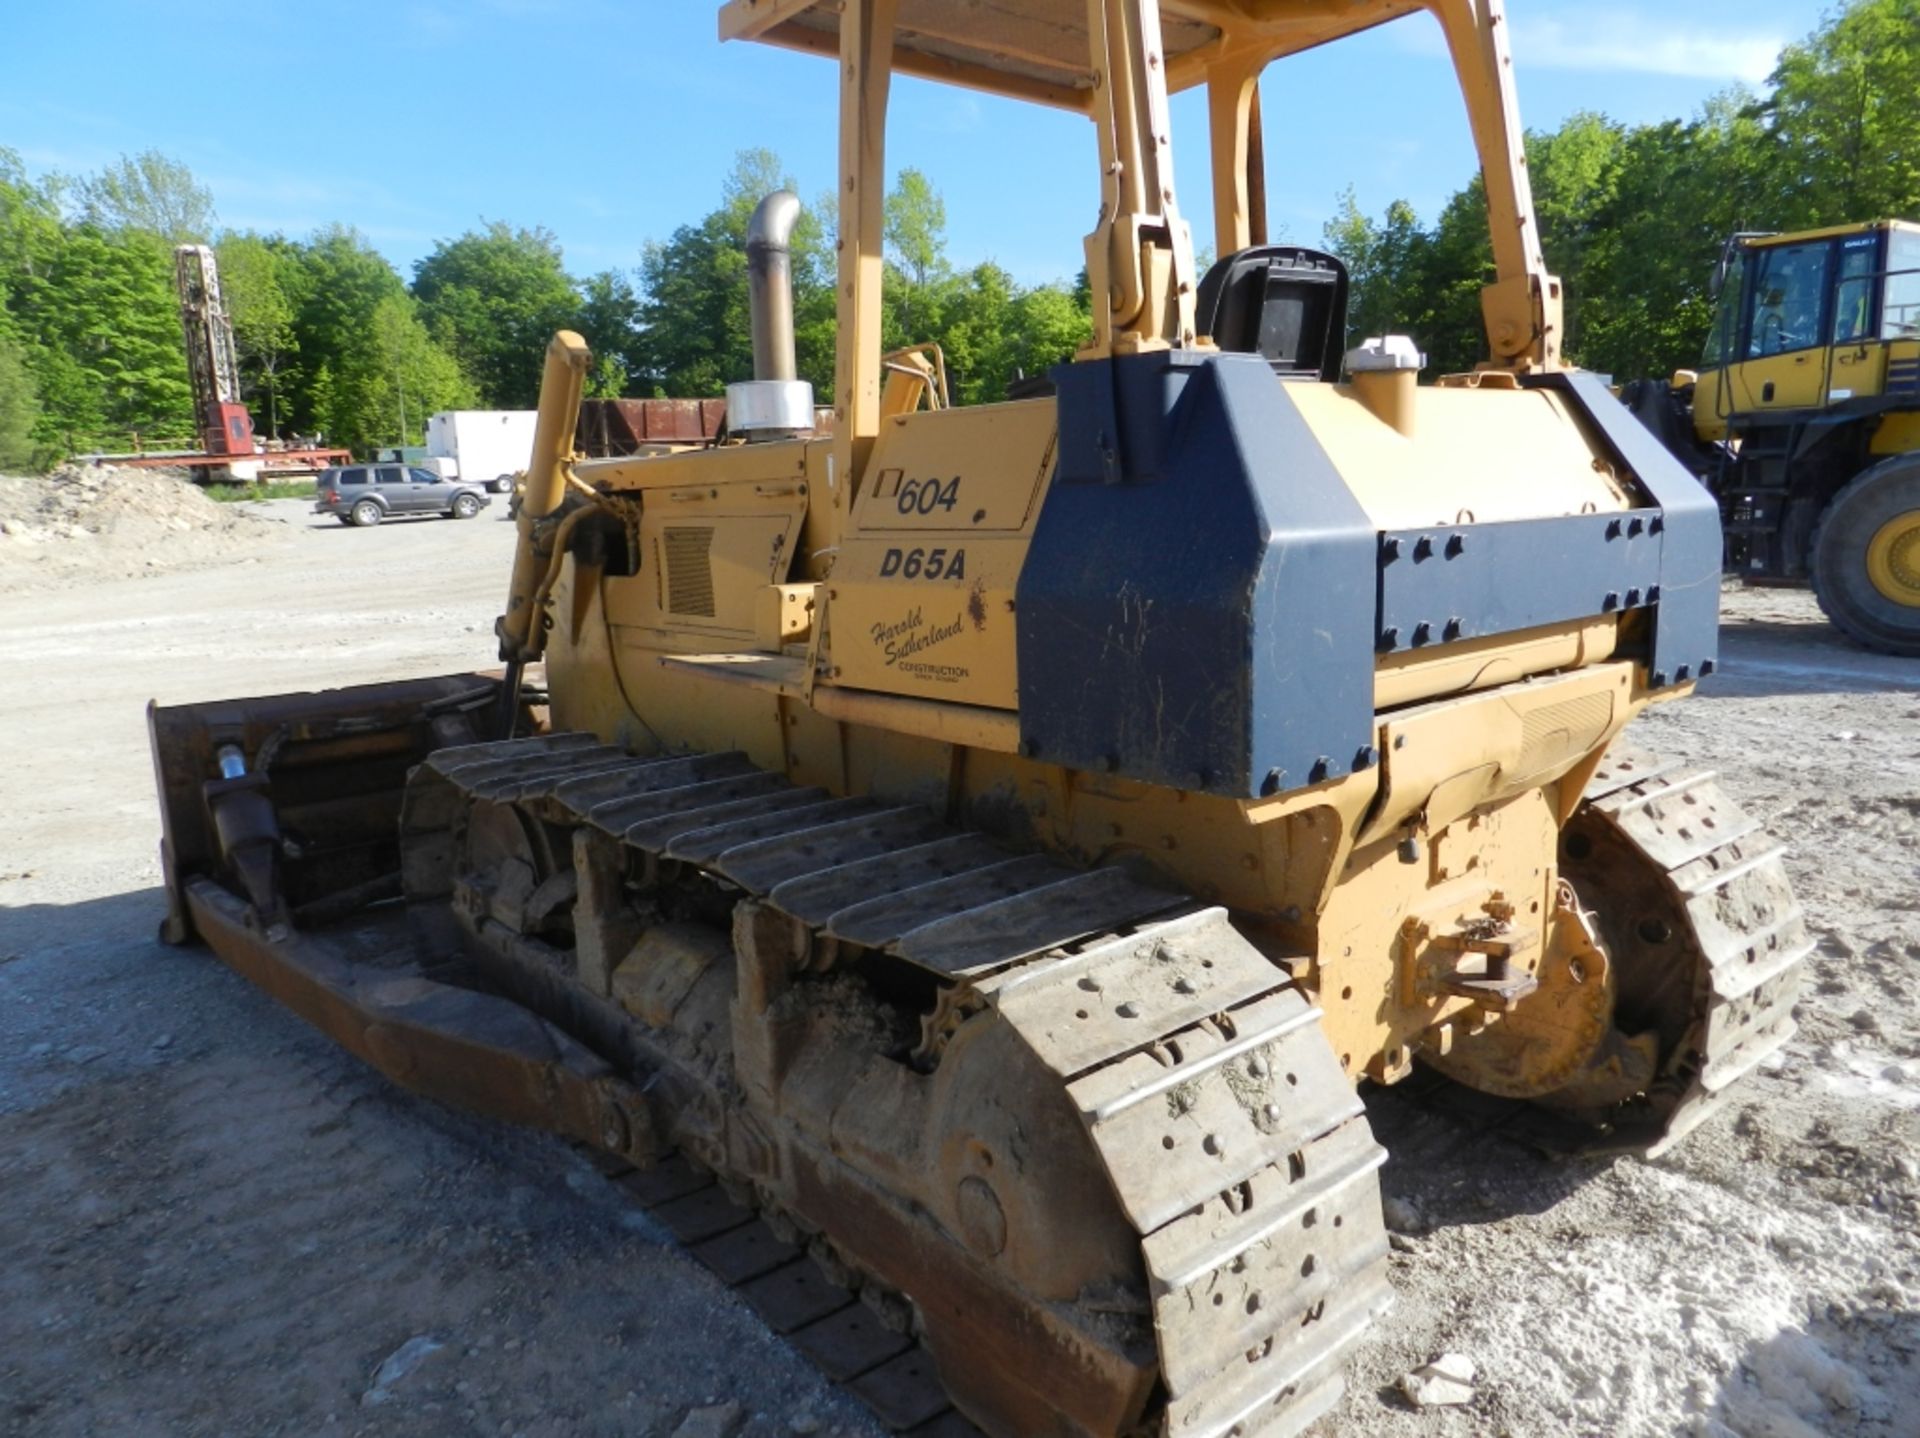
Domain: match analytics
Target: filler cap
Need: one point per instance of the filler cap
(1393, 352)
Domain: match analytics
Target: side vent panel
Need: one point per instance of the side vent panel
(689, 569)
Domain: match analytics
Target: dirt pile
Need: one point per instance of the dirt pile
(88, 522)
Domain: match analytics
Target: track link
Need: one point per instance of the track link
(1235, 1148)
(1700, 918)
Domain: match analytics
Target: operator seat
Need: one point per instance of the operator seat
(1284, 302)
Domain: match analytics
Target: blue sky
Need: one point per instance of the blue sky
(612, 123)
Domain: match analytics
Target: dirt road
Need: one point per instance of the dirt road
(213, 1222)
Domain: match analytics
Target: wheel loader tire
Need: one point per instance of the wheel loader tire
(1866, 558)
(366, 514)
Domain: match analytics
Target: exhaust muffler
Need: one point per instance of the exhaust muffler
(773, 404)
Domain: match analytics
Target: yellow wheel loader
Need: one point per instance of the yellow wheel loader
(969, 859)
(1804, 420)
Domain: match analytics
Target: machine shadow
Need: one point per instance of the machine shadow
(1774, 1384)
(90, 997)
(1456, 1157)
(1773, 657)
(113, 923)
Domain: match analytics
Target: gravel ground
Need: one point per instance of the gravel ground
(211, 1221)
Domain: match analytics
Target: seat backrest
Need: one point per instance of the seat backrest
(1281, 301)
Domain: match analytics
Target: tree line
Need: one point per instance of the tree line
(1633, 217)
(333, 341)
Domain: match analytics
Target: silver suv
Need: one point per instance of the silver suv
(365, 494)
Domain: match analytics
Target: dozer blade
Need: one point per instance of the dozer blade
(281, 814)
(368, 990)
(294, 799)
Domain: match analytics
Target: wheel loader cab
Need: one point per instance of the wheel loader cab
(995, 840)
(1809, 321)
(1804, 420)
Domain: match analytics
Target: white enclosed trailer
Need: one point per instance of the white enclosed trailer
(480, 446)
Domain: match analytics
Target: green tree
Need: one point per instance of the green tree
(916, 241)
(388, 380)
(493, 298)
(1640, 290)
(976, 333)
(1844, 116)
(31, 235)
(149, 193)
(29, 229)
(816, 311)
(262, 313)
(1049, 323)
(1575, 170)
(1633, 261)
(609, 321)
(369, 372)
(1386, 263)
(916, 228)
(110, 359)
(334, 282)
(1632, 218)
(695, 337)
(19, 409)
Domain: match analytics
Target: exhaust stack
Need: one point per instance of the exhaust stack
(770, 281)
(773, 404)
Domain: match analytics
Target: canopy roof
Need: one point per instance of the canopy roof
(1038, 49)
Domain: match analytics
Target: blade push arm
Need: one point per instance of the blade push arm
(1140, 256)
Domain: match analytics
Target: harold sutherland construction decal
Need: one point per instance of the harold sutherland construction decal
(903, 642)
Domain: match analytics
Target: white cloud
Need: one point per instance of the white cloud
(1621, 40)
(960, 115)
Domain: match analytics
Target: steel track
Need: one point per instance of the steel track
(1233, 1141)
(1695, 907)
(1697, 910)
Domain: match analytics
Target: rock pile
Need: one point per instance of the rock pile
(104, 522)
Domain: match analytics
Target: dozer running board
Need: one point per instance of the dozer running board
(1234, 1146)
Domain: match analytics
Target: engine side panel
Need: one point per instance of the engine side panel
(922, 589)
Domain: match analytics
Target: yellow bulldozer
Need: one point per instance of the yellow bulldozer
(1804, 420)
(984, 849)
